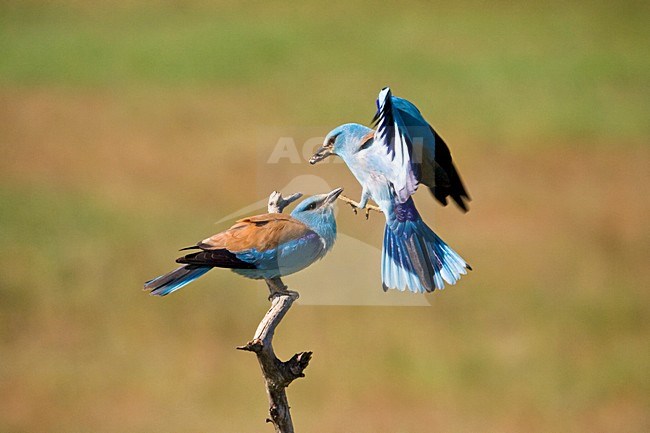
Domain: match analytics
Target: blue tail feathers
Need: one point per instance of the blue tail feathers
(174, 280)
(414, 257)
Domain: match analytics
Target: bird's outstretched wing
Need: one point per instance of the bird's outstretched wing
(400, 125)
(258, 235)
(391, 133)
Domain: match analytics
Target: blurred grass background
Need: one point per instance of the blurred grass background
(127, 128)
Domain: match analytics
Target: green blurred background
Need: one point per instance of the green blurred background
(128, 128)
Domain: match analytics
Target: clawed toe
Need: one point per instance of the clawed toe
(354, 207)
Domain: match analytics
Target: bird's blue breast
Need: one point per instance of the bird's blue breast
(289, 257)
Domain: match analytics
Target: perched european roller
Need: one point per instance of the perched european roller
(389, 163)
(266, 246)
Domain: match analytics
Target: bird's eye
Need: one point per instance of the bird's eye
(311, 206)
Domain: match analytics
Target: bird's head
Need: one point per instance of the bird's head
(317, 204)
(317, 212)
(342, 141)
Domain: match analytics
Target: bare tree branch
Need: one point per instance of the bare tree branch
(277, 203)
(277, 374)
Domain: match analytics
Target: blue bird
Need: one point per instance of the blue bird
(266, 246)
(389, 163)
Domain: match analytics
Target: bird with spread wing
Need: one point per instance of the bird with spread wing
(266, 246)
(390, 162)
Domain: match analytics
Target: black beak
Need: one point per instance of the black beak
(333, 195)
(322, 153)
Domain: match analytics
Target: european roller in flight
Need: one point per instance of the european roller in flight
(266, 246)
(389, 163)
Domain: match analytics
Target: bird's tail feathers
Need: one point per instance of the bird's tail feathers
(174, 280)
(414, 257)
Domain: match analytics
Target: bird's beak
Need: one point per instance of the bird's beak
(332, 196)
(322, 153)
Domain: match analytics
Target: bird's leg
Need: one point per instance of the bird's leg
(365, 195)
(277, 288)
(362, 204)
(363, 201)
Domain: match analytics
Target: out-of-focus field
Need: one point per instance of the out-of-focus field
(127, 129)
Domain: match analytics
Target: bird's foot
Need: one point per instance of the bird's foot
(286, 292)
(277, 288)
(355, 206)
